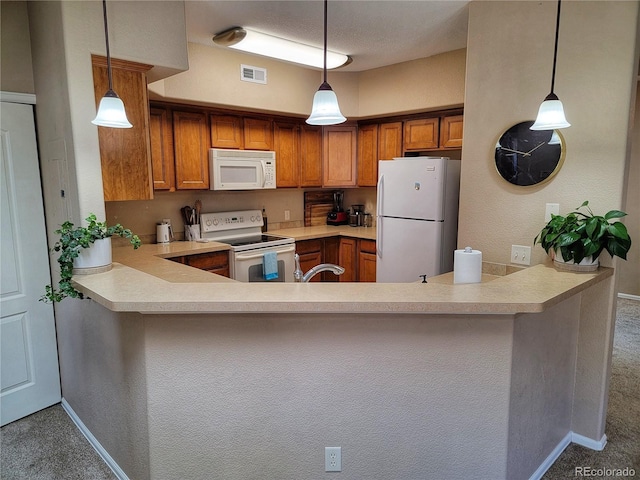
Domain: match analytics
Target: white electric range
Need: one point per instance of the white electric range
(242, 231)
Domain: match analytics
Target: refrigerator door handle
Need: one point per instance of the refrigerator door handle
(379, 216)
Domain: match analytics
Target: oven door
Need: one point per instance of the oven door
(247, 266)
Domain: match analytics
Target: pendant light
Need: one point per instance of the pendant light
(111, 110)
(325, 109)
(551, 112)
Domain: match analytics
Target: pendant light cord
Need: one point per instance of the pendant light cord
(106, 36)
(325, 41)
(555, 49)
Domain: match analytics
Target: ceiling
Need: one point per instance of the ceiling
(375, 33)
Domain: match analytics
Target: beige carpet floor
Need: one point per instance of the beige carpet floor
(48, 446)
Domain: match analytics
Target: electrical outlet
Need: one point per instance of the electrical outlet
(521, 254)
(332, 459)
(287, 215)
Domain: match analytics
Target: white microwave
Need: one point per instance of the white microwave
(241, 169)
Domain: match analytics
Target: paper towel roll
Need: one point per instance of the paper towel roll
(467, 266)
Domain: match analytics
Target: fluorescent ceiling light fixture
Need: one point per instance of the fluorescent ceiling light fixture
(275, 47)
(551, 112)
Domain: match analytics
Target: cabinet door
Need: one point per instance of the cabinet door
(421, 134)
(368, 155)
(310, 252)
(258, 134)
(347, 259)
(389, 140)
(191, 141)
(451, 131)
(367, 261)
(310, 156)
(161, 133)
(125, 153)
(339, 156)
(226, 131)
(286, 146)
(331, 254)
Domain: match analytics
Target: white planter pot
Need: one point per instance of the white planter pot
(588, 264)
(95, 259)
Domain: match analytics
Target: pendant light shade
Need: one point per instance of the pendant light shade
(111, 111)
(551, 112)
(325, 109)
(550, 115)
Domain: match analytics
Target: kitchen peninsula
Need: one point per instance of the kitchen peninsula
(180, 379)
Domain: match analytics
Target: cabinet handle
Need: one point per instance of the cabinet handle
(260, 255)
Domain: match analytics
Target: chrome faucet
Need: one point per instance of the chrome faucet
(298, 276)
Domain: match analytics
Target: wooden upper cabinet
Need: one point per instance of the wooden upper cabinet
(161, 133)
(339, 156)
(287, 148)
(421, 134)
(258, 134)
(389, 140)
(367, 155)
(191, 147)
(451, 131)
(125, 153)
(226, 131)
(310, 156)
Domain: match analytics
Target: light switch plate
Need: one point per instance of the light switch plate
(521, 254)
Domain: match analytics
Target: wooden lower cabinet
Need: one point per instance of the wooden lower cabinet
(366, 261)
(214, 262)
(356, 256)
(311, 254)
(348, 258)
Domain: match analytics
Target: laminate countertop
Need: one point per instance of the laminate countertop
(144, 280)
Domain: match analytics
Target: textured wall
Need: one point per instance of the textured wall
(407, 397)
(509, 60)
(16, 74)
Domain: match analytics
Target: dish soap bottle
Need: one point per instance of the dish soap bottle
(264, 220)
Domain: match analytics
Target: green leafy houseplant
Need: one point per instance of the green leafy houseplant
(580, 235)
(72, 240)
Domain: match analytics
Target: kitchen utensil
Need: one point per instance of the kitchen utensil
(186, 215)
(198, 208)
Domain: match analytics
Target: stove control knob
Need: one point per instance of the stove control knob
(253, 218)
(208, 222)
(215, 222)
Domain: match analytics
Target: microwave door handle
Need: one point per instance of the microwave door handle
(249, 256)
(264, 173)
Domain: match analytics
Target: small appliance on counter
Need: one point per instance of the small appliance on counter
(337, 216)
(356, 217)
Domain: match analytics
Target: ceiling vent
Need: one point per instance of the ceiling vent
(253, 74)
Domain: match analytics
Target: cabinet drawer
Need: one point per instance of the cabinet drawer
(368, 246)
(208, 261)
(308, 246)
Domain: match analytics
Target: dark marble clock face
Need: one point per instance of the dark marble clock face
(528, 157)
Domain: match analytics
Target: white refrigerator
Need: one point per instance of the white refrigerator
(417, 217)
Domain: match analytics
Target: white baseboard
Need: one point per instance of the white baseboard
(570, 437)
(553, 456)
(629, 297)
(111, 463)
(597, 445)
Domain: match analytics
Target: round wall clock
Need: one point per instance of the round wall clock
(528, 157)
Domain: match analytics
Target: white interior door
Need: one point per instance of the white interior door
(29, 376)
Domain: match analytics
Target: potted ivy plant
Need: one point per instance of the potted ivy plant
(83, 248)
(576, 241)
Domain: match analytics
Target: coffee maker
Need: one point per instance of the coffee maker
(337, 216)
